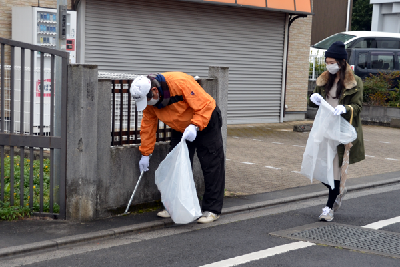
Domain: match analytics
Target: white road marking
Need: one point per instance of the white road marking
(257, 140)
(277, 143)
(262, 254)
(370, 156)
(390, 159)
(384, 142)
(228, 159)
(299, 146)
(383, 223)
(284, 130)
(270, 167)
(250, 163)
(235, 137)
(295, 171)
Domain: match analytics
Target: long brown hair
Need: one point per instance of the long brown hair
(342, 74)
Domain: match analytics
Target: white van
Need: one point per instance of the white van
(358, 39)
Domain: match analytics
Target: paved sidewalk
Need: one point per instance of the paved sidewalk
(267, 157)
(250, 184)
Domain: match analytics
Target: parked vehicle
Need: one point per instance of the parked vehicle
(371, 61)
(359, 39)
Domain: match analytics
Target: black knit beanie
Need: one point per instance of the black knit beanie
(337, 51)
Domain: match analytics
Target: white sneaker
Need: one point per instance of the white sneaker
(338, 201)
(208, 217)
(326, 215)
(164, 214)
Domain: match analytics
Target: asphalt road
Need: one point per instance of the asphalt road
(237, 235)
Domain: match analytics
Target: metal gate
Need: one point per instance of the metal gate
(33, 129)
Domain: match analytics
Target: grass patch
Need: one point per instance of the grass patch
(13, 212)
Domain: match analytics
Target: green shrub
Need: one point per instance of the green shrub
(376, 89)
(11, 213)
(8, 212)
(319, 67)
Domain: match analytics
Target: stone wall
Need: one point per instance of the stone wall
(100, 178)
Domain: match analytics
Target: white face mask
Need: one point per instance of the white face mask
(152, 101)
(332, 68)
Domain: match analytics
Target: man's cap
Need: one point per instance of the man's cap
(140, 87)
(337, 51)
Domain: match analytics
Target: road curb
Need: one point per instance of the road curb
(154, 225)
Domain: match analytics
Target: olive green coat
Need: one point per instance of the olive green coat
(351, 96)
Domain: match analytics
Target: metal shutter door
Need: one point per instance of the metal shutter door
(150, 36)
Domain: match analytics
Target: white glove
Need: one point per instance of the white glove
(316, 98)
(144, 164)
(340, 109)
(190, 133)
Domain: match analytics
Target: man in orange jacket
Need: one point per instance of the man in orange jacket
(179, 101)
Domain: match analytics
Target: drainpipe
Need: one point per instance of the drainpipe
(285, 52)
(348, 15)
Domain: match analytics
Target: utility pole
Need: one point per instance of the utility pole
(61, 42)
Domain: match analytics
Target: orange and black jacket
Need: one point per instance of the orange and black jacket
(195, 108)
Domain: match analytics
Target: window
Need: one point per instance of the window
(390, 44)
(326, 43)
(366, 43)
(382, 60)
(398, 60)
(362, 61)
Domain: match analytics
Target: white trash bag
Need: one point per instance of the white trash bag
(327, 132)
(174, 179)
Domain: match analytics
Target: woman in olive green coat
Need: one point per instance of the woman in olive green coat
(343, 90)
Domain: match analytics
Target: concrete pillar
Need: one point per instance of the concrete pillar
(221, 97)
(82, 130)
(376, 20)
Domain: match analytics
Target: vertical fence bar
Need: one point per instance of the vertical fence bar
(121, 114)
(21, 131)
(129, 113)
(113, 114)
(2, 88)
(31, 104)
(136, 123)
(2, 175)
(11, 119)
(313, 69)
(63, 164)
(2, 183)
(158, 131)
(165, 132)
(41, 92)
(51, 186)
(41, 125)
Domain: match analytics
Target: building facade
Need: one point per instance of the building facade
(252, 40)
(268, 60)
(385, 16)
(330, 17)
(6, 15)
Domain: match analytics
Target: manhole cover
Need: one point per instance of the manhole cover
(352, 237)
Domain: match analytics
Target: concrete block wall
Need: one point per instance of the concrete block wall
(298, 66)
(6, 15)
(101, 178)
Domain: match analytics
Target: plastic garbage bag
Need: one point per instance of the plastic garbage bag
(174, 179)
(327, 133)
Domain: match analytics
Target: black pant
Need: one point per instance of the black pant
(210, 152)
(332, 193)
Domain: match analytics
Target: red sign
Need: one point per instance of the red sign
(46, 88)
